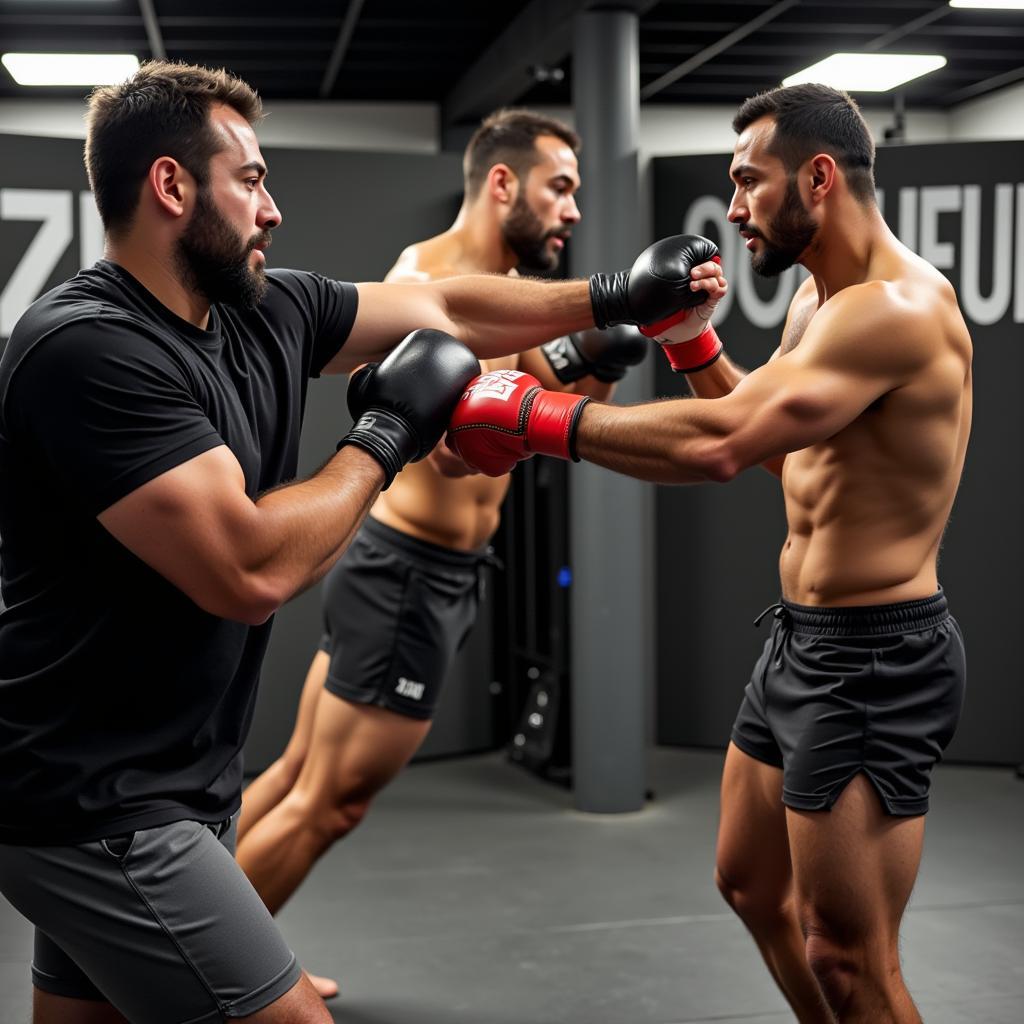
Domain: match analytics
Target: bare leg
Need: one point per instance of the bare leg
(355, 751)
(269, 789)
(299, 1005)
(754, 874)
(854, 868)
(50, 1009)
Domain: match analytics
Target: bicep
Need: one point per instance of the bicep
(785, 406)
(185, 524)
(387, 313)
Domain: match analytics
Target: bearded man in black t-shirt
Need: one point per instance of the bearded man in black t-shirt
(149, 414)
(149, 420)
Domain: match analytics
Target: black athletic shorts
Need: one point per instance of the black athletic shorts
(396, 609)
(839, 691)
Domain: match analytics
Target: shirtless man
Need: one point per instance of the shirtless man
(404, 597)
(864, 412)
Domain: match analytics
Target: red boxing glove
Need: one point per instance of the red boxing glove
(505, 416)
(695, 354)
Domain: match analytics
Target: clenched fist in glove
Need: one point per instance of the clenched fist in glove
(506, 416)
(657, 294)
(604, 355)
(401, 405)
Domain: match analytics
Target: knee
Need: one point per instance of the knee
(755, 905)
(835, 965)
(731, 892)
(289, 765)
(324, 818)
(344, 814)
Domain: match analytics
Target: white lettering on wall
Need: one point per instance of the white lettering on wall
(907, 229)
(935, 200)
(54, 209)
(990, 309)
(942, 223)
(1018, 261)
(90, 230)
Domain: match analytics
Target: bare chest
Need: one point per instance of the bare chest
(797, 325)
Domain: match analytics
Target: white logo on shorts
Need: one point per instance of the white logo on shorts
(499, 384)
(409, 688)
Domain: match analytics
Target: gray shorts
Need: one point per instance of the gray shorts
(162, 923)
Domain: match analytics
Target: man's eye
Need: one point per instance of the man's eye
(252, 182)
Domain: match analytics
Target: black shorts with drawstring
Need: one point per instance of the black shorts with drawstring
(839, 691)
(396, 610)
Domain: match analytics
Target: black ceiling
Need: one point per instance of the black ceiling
(420, 50)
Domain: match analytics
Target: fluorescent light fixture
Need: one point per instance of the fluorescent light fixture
(989, 5)
(867, 72)
(70, 68)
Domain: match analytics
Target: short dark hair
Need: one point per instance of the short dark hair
(509, 136)
(162, 110)
(813, 119)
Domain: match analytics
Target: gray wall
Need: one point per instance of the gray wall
(962, 207)
(349, 214)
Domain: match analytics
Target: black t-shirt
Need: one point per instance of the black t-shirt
(123, 705)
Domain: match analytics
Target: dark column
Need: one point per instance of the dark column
(611, 517)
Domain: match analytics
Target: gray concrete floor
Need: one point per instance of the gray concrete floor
(474, 894)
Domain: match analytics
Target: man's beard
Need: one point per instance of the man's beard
(525, 235)
(214, 259)
(791, 230)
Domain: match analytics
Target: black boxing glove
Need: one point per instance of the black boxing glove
(401, 406)
(655, 292)
(605, 355)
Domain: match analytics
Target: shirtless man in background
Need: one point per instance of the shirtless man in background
(864, 412)
(403, 599)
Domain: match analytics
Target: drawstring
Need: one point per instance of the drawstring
(778, 610)
(486, 557)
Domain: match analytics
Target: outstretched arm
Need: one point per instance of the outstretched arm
(498, 315)
(845, 362)
(494, 315)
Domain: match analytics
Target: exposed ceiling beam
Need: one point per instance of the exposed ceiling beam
(153, 33)
(712, 51)
(539, 36)
(905, 30)
(348, 26)
(988, 85)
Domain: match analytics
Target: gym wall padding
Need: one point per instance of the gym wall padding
(961, 206)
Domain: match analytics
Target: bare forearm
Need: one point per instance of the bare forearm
(718, 380)
(300, 530)
(657, 442)
(499, 315)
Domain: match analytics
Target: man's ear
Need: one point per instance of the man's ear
(171, 186)
(822, 169)
(502, 183)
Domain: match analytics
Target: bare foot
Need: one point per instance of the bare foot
(326, 988)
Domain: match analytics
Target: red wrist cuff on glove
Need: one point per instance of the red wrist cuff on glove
(696, 354)
(551, 423)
